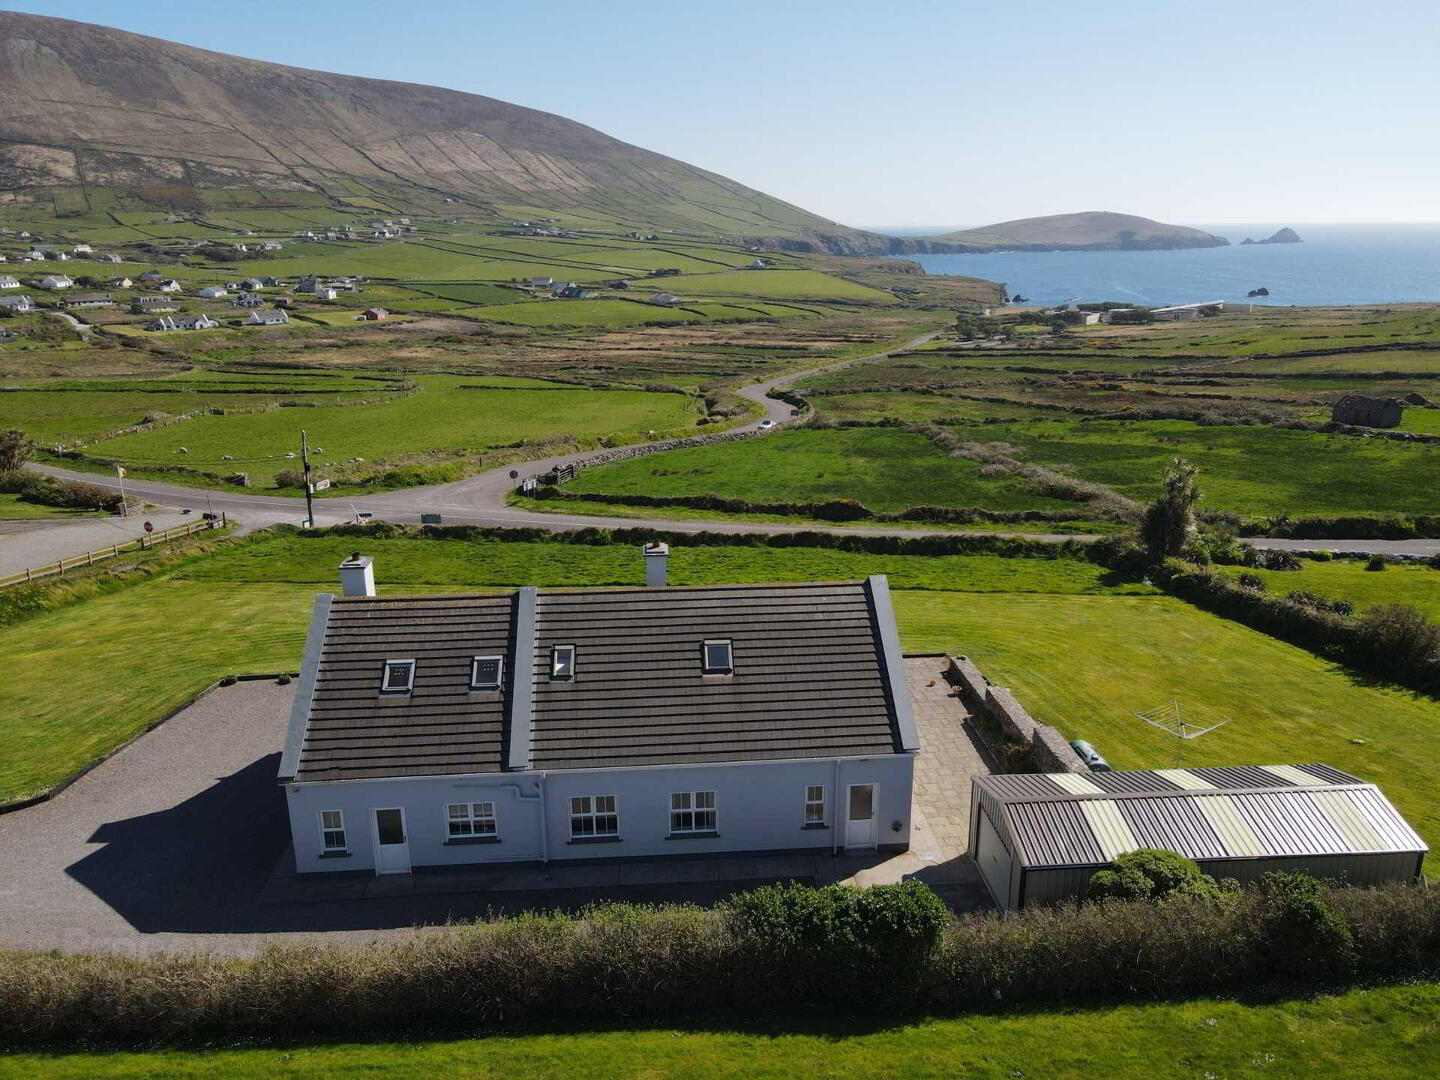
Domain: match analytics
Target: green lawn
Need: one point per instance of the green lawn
(1248, 470)
(1347, 579)
(1087, 664)
(449, 416)
(884, 468)
(1424, 421)
(1388, 1033)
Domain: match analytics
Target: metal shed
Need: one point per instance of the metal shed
(1037, 838)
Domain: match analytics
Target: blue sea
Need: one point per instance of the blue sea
(1337, 264)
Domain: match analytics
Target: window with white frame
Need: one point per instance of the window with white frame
(486, 672)
(692, 812)
(815, 804)
(717, 658)
(397, 677)
(562, 661)
(593, 815)
(470, 819)
(332, 830)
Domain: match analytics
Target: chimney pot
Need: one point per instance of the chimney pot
(657, 554)
(357, 575)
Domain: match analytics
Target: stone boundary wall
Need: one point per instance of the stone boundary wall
(1048, 748)
(622, 453)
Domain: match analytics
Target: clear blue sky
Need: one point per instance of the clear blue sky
(923, 112)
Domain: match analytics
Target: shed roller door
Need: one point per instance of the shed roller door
(994, 862)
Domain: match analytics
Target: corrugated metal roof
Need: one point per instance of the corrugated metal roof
(1055, 820)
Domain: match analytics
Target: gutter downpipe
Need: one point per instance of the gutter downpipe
(544, 823)
(835, 829)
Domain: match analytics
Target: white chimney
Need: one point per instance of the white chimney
(657, 554)
(357, 575)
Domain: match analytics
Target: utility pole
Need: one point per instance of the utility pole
(309, 487)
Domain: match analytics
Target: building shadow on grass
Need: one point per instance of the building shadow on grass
(201, 866)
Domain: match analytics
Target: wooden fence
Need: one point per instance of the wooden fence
(141, 543)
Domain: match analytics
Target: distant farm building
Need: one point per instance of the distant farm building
(1180, 312)
(374, 314)
(1365, 411)
(665, 299)
(89, 300)
(1038, 838)
(148, 305)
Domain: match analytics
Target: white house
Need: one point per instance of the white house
(212, 292)
(7, 282)
(169, 285)
(540, 282)
(549, 726)
(121, 282)
(325, 292)
(183, 322)
(277, 317)
(757, 264)
(54, 281)
(18, 304)
(82, 249)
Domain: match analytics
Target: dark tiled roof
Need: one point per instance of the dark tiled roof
(809, 677)
(813, 670)
(442, 726)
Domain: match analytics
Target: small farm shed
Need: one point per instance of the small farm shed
(1037, 838)
(1366, 411)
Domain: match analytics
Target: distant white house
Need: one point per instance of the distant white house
(17, 304)
(272, 245)
(325, 292)
(183, 322)
(54, 281)
(541, 282)
(212, 292)
(82, 249)
(275, 317)
(248, 300)
(9, 282)
(665, 299)
(107, 257)
(758, 264)
(169, 285)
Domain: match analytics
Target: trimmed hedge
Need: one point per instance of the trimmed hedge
(773, 954)
(51, 491)
(1349, 527)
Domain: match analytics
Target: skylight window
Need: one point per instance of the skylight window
(398, 677)
(486, 672)
(562, 661)
(718, 658)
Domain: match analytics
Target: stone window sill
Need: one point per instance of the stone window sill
(594, 840)
(808, 826)
(692, 835)
(461, 841)
(335, 855)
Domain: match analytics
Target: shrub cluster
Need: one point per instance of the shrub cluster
(775, 952)
(50, 491)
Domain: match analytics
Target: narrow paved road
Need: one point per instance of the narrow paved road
(480, 499)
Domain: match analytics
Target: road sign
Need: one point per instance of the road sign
(320, 485)
(149, 526)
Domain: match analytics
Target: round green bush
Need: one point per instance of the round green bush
(1152, 874)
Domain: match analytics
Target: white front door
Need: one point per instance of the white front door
(860, 816)
(392, 846)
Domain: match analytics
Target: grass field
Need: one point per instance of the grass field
(884, 468)
(917, 408)
(774, 284)
(1389, 1033)
(604, 313)
(13, 508)
(1249, 470)
(1347, 579)
(443, 418)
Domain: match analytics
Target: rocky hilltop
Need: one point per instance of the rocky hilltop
(1279, 236)
(1092, 230)
(93, 107)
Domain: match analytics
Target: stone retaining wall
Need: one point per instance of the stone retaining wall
(1047, 747)
(622, 453)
